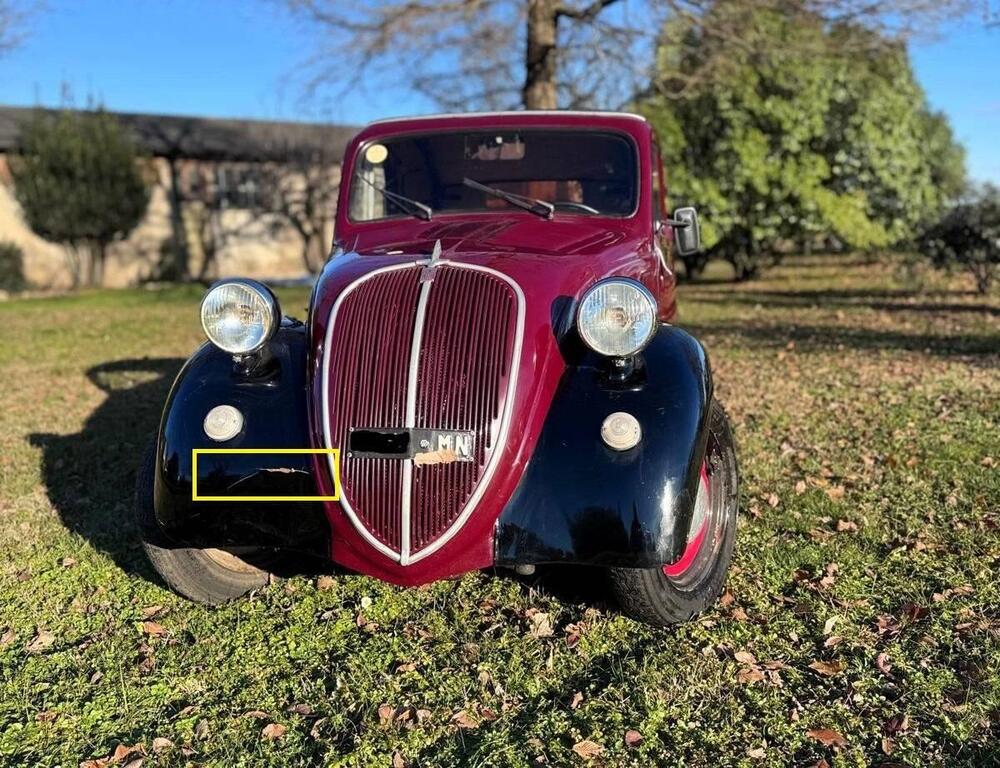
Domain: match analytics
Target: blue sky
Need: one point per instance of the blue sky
(239, 59)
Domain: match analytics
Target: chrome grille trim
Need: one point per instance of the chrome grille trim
(404, 556)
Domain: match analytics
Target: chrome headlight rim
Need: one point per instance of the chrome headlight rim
(588, 339)
(262, 292)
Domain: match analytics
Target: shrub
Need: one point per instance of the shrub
(968, 236)
(11, 268)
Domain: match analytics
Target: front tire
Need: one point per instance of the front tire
(210, 576)
(676, 592)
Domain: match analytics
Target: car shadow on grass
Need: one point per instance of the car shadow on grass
(90, 475)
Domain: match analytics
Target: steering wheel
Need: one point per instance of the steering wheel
(564, 204)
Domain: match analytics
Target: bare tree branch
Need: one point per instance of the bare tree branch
(468, 54)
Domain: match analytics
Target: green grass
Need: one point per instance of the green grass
(866, 413)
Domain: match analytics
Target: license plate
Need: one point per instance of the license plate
(424, 446)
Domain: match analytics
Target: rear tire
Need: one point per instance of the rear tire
(210, 576)
(653, 596)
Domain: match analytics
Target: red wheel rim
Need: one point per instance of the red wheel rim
(697, 541)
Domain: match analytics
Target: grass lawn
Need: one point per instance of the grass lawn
(861, 625)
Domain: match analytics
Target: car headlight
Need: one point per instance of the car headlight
(240, 316)
(617, 317)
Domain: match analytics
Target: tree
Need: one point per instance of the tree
(301, 192)
(797, 138)
(546, 54)
(78, 179)
(968, 236)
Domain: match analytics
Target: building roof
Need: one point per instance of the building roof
(208, 138)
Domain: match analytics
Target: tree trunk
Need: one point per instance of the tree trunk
(540, 63)
(180, 249)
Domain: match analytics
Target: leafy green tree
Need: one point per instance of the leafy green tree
(968, 236)
(796, 140)
(79, 181)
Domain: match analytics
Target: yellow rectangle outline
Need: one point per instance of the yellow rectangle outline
(335, 452)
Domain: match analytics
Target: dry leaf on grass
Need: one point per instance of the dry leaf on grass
(882, 662)
(541, 624)
(576, 700)
(273, 731)
(385, 714)
(161, 744)
(588, 749)
(632, 738)
(464, 720)
(749, 675)
(43, 639)
(827, 737)
(324, 583)
(827, 668)
(745, 657)
(153, 629)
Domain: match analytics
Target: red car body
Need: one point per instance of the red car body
(477, 308)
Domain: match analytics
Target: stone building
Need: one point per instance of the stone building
(230, 197)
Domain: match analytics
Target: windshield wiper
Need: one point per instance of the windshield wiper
(412, 206)
(539, 207)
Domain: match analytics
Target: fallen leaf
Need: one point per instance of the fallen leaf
(153, 629)
(835, 492)
(161, 744)
(273, 731)
(397, 760)
(587, 749)
(7, 638)
(151, 611)
(773, 500)
(463, 720)
(575, 701)
(68, 562)
(43, 639)
(832, 641)
(914, 612)
(632, 738)
(749, 675)
(202, 730)
(882, 662)
(827, 668)
(828, 626)
(541, 624)
(423, 714)
(257, 714)
(385, 714)
(317, 730)
(846, 525)
(800, 487)
(896, 724)
(888, 745)
(745, 657)
(325, 582)
(827, 737)
(757, 754)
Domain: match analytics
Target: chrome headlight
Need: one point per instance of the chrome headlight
(617, 317)
(240, 316)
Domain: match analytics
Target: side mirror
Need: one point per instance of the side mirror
(687, 231)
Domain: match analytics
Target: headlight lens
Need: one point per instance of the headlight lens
(239, 316)
(617, 317)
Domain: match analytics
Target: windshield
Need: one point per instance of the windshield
(579, 172)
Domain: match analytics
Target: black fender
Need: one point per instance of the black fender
(579, 501)
(270, 390)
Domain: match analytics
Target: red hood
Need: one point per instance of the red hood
(553, 263)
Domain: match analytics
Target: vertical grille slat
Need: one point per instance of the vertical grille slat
(464, 365)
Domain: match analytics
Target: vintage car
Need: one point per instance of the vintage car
(488, 376)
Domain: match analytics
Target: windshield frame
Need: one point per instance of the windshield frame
(526, 128)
